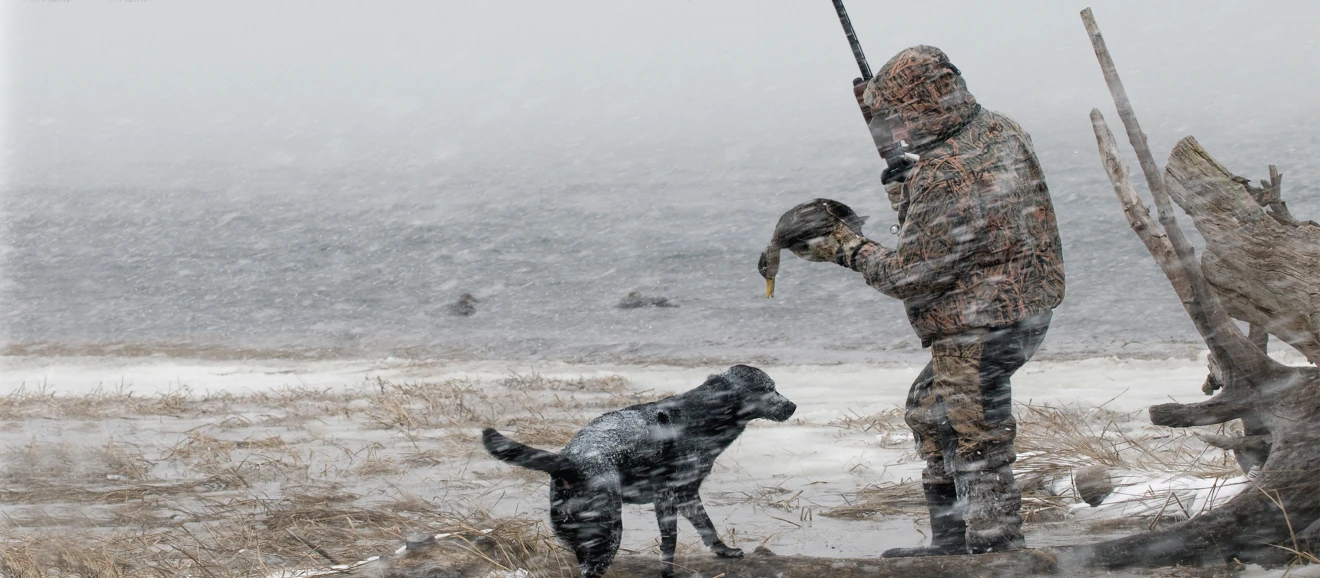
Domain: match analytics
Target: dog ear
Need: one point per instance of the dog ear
(718, 382)
(741, 376)
(750, 378)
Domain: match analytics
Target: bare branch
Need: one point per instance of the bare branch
(1137, 215)
(1263, 271)
(1216, 410)
(1220, 333)
(1256, 443)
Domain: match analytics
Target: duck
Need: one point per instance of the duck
(635, 300)
(465, 306)
(807, 221)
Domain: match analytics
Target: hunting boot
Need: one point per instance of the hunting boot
(994, 522)
(948, 530)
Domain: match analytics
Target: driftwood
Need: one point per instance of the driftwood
(1280, 404)
(1262, 262)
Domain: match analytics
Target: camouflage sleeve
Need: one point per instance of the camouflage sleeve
(875, 261)
(938, 236)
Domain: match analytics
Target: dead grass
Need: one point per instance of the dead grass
(113, 484)
(1052, 442)
(535, 381)
(304, 533)
(894, 498)
(768, 496)
(183, 484)
(888, 426)
(118, 401)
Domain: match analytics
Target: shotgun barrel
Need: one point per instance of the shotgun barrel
(862, 65)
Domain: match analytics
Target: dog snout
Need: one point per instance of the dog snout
(781, 408)
(786, 411)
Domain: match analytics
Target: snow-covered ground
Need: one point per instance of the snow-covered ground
(782, 485)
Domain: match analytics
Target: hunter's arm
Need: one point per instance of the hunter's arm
(939, 232)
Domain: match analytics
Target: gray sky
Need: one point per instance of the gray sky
(98, 85)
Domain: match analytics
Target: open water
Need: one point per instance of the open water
(364, 261)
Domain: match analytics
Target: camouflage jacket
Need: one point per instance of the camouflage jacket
(978, 244)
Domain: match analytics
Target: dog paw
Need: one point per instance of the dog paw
(726, 552)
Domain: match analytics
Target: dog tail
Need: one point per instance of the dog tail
(507, 450)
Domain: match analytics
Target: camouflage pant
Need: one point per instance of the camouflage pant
(960, 408)
(961, 413)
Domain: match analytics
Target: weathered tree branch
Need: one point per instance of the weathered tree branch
(1242, 529)
(1253, 443)
(1139, 218)
(1222, 408)
(1220, 334)
(1271, 195)
(1249, 450)
(1265, 271)
(1161, 248)
(1277, 404)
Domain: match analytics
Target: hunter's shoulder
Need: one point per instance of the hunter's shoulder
(991, 125)
(999, 119)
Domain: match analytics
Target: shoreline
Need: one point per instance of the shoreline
(1090, 379)
(899, 352)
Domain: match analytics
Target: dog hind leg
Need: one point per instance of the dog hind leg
(596, 553)
(591, 525)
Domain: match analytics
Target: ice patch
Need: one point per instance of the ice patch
(1165, 495)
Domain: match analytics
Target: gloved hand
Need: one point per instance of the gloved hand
(839, 246)
(816, 230)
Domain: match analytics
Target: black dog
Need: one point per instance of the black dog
(650, 453)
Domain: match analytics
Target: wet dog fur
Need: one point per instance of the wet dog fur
(658, 453)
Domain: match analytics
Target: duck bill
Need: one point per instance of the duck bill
(769, 288)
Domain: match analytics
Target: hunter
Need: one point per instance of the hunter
(979, 268)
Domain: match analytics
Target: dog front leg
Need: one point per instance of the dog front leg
(692, 509)
(666, 515)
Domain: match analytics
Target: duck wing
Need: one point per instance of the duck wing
(815, 218)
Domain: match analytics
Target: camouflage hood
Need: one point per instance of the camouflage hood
(919, 97)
